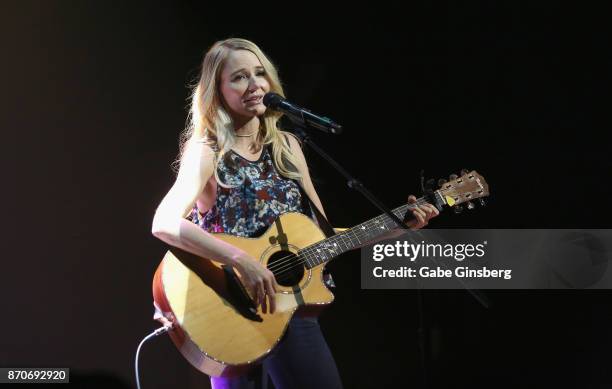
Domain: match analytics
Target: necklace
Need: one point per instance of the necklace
(247, 135)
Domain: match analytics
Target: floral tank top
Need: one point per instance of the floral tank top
(257, 196)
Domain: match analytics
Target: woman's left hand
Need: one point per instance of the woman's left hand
(422, 214)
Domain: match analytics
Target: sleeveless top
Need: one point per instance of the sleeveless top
(257, 196)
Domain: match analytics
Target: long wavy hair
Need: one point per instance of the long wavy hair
(209, 122)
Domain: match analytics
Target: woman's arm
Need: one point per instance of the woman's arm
(302, 167)
(170, 225)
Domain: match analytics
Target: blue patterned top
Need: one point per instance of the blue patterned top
(258, 196)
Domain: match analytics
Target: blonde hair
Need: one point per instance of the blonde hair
(209, 121)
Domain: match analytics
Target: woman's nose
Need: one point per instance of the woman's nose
(254, 84)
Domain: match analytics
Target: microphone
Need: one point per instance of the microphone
(279, 103)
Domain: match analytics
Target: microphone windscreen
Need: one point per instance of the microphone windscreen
(272, 100)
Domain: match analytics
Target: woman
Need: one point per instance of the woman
(237, 174)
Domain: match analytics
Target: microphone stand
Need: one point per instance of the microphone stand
(355, 184)
(350, 180)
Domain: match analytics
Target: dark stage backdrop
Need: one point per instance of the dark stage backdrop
(94, 96)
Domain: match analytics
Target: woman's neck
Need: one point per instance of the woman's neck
(246, 131)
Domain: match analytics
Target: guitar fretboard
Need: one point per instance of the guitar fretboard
(365, 232)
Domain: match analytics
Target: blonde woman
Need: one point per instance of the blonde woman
(237, 173)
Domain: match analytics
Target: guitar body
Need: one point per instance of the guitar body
(214, 326)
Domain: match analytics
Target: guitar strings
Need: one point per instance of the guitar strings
(311, 248)
(288, 263)
(280, 265)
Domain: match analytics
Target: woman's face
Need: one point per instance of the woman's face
(243, 84)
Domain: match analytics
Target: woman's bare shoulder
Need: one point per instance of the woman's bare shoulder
(291, 138)
(196, 167)
(197, 155)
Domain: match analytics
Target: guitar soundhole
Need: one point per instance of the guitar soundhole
(286, 267)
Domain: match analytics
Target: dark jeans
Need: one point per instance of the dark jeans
(301, 360)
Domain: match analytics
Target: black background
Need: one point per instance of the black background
(94, 96)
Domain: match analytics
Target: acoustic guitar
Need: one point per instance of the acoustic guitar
(217, 327)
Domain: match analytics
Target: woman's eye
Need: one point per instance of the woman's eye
(240, 77)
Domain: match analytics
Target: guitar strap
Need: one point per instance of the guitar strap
(327, 229)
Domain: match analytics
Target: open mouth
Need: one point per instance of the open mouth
(255, 99)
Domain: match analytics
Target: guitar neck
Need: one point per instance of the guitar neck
(355, 237)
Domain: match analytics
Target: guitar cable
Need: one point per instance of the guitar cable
(157, 332)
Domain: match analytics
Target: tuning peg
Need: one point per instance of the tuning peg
(441, 182)
(464, 172)
(458, 208)
(453, 177)
(470, 205)
(482, 202)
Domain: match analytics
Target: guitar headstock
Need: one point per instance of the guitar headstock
(469, 186)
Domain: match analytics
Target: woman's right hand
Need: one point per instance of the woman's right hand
(259, 281)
